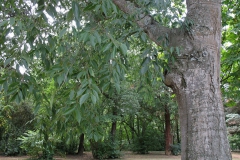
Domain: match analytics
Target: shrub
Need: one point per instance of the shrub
(234, 141)
(107, 149)
(150, 141)
(68, 146)
(10, 146)
(36, 145)
(14, 121)
(176, 149)
(31, 143)
(140, 145)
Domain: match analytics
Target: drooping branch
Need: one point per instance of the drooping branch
(152, 28)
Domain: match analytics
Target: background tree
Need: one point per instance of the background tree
(230, 68)
(230, 53)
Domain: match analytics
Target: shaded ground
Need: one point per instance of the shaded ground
(155, 155)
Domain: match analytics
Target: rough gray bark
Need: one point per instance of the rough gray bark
(194, 77)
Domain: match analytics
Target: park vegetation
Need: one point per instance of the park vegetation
(112, 75)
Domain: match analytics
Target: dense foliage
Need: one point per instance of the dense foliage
(230, 63)
(230, 52)
(14, 121)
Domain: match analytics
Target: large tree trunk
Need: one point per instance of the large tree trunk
(195, 80)
(194, 77)
(168, 137)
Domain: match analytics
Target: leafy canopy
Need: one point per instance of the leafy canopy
(83, 45)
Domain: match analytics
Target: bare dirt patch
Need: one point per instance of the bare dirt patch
(154, 155)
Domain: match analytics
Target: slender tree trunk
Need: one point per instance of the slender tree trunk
(144, 127)
(129, 142)
(114, 123)
(81, 146)
(114, 128)
(132, 126)
(177, 129)
(138, 126)
(168, 138)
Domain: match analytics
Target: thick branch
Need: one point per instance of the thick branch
(154, 30)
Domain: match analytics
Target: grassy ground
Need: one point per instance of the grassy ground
(155, 155)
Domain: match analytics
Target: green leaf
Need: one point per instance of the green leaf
(51, 11)
(60, 79)
(71, 96)
(3, 23)
(70, 15)
(40, 3)
(123, 49)
(145, 65)
(143, 37)
(77, 23)
(94, 99)
(95, 94)
(69, 110)
(89, 7)
(78, 115)
(84, 83)
(104, 87)
(95, 87)
(20, 95)
(24, 63)
(104, 8)
(62, 32)
(97, 119)
(40, 10)
(95, 33)
(80, 74)
(9, 60)
(5, 86)
(36, 108)
(107, 47)
(171, 49)
(117, 85)
(90, 70)
(15, 98)
(178, 50)
(84, 36)
(83, 98)
(114, 7)
(12, 21)
(17, 30)
(95, 137)
(76, 10)
(80, 92)
(12, 90)
(92, 40)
